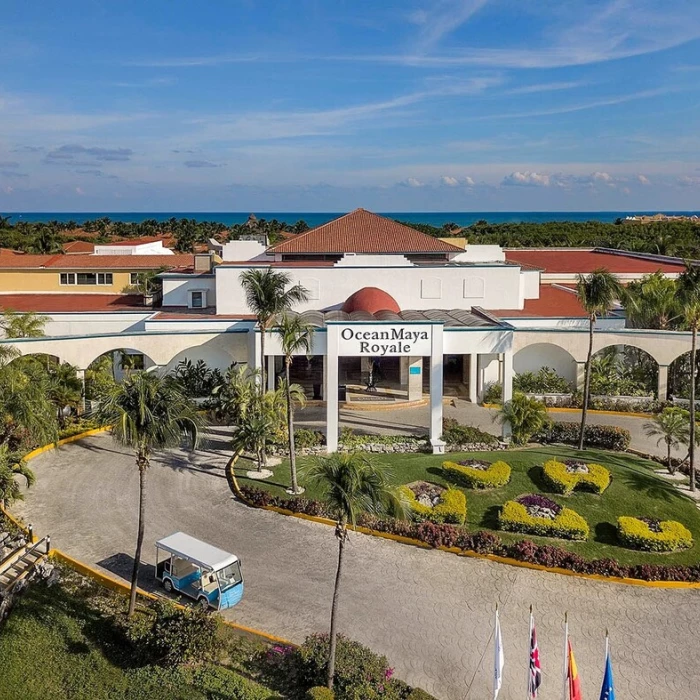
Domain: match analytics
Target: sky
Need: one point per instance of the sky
(327, 105)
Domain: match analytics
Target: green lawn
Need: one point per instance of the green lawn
(635, 490)
(60, 642)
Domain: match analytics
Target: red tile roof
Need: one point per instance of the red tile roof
(273, 263)
(584, 261)
(555, 301)
(183, 313)
(102, 262)
(362, 231)
(64, 303)
(74, 247)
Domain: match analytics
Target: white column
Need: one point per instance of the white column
(473, 388)
(80, 373)
(414, 377)
(662, 387)
(270, 359)
(479, 380)
(331, 389)
(507, 376)
(580, 375)
(436, 385)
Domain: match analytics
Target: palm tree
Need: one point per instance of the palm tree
(19, 325)
(146, 413)
(597, 294)
(12, 465)
(268, 298)
(295, 336)
(526, 415)
(671, 426)
(689, 298)
(351, 484)
(65, 388)
(652, 302)
(236, 393)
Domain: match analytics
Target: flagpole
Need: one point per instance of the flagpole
(529, 655)
(566, 654)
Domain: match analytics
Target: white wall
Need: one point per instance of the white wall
(558, 323)
(488, 286)
(481, 253)
(175, 289)
(91, 324)
(534, 357)
(530, 283)
(218, 354)
(242, 250)
(153, 248)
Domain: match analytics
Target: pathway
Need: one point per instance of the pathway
(430, 612)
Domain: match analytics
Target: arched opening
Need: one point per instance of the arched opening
(679, 378)
(111, 367)
(42, 359)
(544, 368)
(624, 371)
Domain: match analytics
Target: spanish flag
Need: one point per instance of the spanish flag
(572, 679)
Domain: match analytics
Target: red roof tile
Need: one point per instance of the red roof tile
(362, 231)
(65, 303)
(74, 247)
(584, 261)
(554, 302)
(109, 262)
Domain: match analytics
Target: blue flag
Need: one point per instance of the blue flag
(607, 692)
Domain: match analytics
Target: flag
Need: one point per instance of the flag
(498, 660)
(573, 681)
(607, 692)
(535, 675)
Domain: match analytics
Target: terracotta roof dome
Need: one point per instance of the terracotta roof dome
(371, 300)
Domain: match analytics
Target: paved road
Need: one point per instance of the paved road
(415, 421)
(429, 612)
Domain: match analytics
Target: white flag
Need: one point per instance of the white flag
(498, 660)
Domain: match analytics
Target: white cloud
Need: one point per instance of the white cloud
(643, 179)
(80, 191)
(469, 182)
(526, 179)
(443, 18)
(414, 182)
(449, 181)
(689, 181)
(602, 177)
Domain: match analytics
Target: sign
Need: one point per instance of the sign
(384, 340)
(414, 370)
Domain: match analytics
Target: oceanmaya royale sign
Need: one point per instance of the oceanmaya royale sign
(384, 340)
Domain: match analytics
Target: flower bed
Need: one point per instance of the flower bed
(566, 477)
(537, 515)
(435, 504)
(606, 437)
(650, 535)
(486, 543)
(471, 474)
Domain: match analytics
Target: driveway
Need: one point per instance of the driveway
(430, 612)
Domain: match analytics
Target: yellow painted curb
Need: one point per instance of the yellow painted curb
(65, 441)
(475, 555)
(595, 411)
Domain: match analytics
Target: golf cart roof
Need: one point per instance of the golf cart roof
(196, 551)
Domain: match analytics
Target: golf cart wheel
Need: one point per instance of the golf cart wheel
(203, 603)
(168, 585)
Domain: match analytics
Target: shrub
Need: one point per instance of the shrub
(78, 426)
(320, 693)
(653, 535)
(606, 437)
(168, 635)
(218, 682)
(454, 433)
(497, 475)
(525, 415)
(544, 381)
(419, 694)
(493, 393)
(560, 480)
(452, 507)
(304, 438)
(568, 524)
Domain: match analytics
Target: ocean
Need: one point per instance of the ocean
(461, 218)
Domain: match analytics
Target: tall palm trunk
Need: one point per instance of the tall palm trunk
(229, 472)
(262, 456)
(693, 371)
(142, 463)
(290, 427)
(341, 533)
(587, 382)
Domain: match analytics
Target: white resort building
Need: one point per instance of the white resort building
(426, 317)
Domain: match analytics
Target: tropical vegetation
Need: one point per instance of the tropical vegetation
(672, 428)
(526, 417)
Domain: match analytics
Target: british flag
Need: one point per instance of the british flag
(535, 677)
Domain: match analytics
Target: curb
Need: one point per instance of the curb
(594, 411)
(65, 441)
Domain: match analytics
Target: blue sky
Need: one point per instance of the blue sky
(325, 105)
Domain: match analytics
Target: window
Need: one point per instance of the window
(197, 300)
(134, 277)
(103, 278)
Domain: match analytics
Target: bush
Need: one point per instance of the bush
(652, 535)
(497, 475)
(568, 524)
(493, 393)
(452, 507)
(560, 480)
(320, 693)
(304, 438)
(525, 415)
(81, 425)
(419, 694)
(545, 381)
(170, 636)
(218, 682)
(454, 433)
(606, 437)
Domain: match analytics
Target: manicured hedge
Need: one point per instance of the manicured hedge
(568, 524)
(320, 693)
(452, 507)
(483, 542)
(498, 474)
(556, 476)
(455, 433)
(605, 437)
(635, 533)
